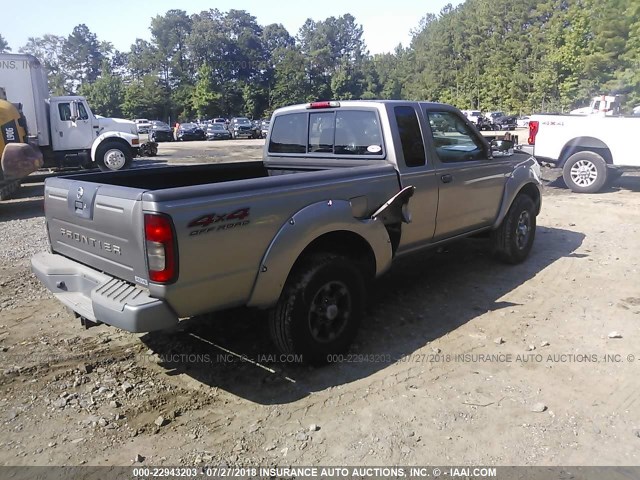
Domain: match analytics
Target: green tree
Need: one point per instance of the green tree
(169, 35)
(142, 59)
(4, 46)
(145, 99)
(82, 57)
(106, 94)
(48, 49)
(628, 75)
(204, 98)
(291, 84)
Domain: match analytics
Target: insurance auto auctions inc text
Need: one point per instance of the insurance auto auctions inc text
(519, 358)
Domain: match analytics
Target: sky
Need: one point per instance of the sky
(385, 23)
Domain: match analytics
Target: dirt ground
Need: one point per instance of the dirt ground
(461, 360)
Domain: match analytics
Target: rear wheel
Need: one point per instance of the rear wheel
(320, 308)
(513, 239)
(111, 156)
(585, 172)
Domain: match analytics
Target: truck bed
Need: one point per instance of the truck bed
(224, 215)
(159, 178)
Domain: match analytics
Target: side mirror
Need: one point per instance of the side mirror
(502, 148)
(74, 111)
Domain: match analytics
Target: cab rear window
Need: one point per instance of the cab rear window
(336, 132)
(289, 134)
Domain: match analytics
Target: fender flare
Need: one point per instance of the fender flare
(300, 230)
(581, 144)
(125, 138)
(526, 175)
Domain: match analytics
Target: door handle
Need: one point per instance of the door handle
(446, 178)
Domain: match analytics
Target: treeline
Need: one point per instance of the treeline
(520, 57)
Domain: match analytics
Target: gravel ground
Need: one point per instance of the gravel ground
(70, 396)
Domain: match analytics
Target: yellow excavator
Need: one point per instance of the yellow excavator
(17, 157)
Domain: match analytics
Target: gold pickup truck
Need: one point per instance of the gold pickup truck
(344, 188)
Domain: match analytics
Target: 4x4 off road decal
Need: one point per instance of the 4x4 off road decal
(215, 222)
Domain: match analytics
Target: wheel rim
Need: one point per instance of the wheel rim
(114, 159)
(330, 311)
(584, 173)
(523, 229)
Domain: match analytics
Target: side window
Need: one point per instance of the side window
(64, 109)
(410, 136)
(321, 132)
(358, 133)
(288, 134)
(453, 140)
(82, 112)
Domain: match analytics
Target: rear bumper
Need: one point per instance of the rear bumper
(244, 133)
(100, 297)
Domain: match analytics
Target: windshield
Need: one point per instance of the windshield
(242, 121)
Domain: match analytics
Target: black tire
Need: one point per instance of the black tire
(513, 239)
(585, 172)
(109, 160)
(320, 308)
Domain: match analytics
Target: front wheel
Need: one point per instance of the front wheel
(585, 172)
(111, 156)
(320, 308)
(513, 239)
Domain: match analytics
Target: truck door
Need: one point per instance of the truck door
(415, 171)
(69, 133)
(471, 183)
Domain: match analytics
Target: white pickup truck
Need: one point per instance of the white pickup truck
(590, 149)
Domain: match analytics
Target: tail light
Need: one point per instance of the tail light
(160, 240)
(533, 131)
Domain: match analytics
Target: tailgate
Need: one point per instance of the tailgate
(98, 225)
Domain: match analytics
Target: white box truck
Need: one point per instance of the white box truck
(63, 128)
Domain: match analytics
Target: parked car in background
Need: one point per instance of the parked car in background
(473, 115)
(264, 128)
(484, 124)
(220, 120)
(143, 125)
(242, 127)
(217, 131)
(190, 131)
(160, 132)
(505, 122)
(492, 116)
